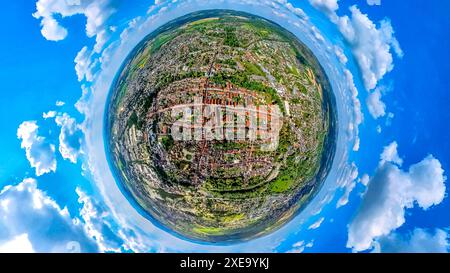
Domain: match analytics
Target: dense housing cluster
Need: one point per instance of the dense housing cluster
(231, 186)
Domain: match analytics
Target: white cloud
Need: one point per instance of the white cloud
(85, 65)
(39, 152)
(365, 179)
(130, 27)
(81, 104)
(95, 225)
(98, 224)
(97, 13)
(49, 114)
(100, 40)
(59, 103)
(378, 129)
(374, 2)
(340, 54)
(316, 33)
(317, 223)
(279, 14)
(51, 30)
(329, 7)
(389, 118)
(348, 183)
(371, 46)
(376, 107)
(357, 113)
(391, 191)
(390, 154)
(32, 221)
(300, 246)
(357, 144)
(297, 11)
(18, 244)
(417, 241)
(70, 137)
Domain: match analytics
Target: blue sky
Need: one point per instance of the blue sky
(388, 66)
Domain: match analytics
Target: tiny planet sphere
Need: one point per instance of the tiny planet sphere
(220, 126)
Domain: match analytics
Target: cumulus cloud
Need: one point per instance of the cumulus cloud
(317, 35)
(300, 246)
(392, 190)
(417, 241)
(51, 30)
(365, 179)
(39, 152)
(375, 105)
(32, 221)
(100, 40)
(70, 137)
(97, 13)
(297, 247)
(59, 103)
(348, 183)
(49, 114)
(85, 64)
(155, 6)
(390, 154)
(373, 2)
(357, 113)
(378, 129)
(390, 116)
(132, 24)
(371, 46)
(329, 7)
(18, 244)
(98, 223)
(340, 54)
(279, 14)
(95, 225)
(82, 104)
(297, 11)
(317, 223)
